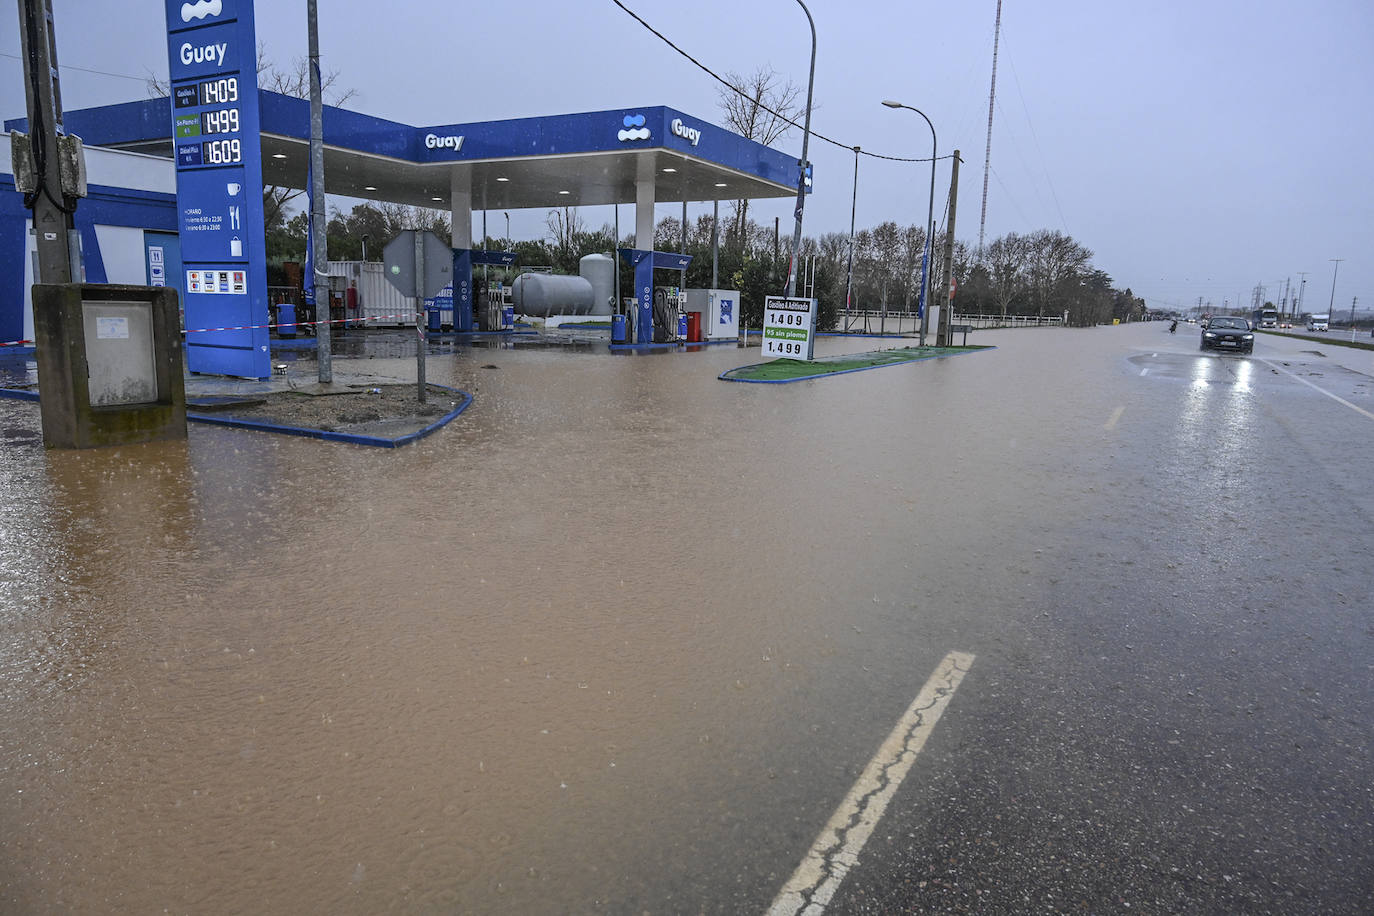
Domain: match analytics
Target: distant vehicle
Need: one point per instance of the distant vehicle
(1265, 318)
(1318, 322)
(1228, 333)
(1192, 321)
(1285, 324)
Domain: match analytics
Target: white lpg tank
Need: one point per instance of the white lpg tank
(542, 295)
(599, 270)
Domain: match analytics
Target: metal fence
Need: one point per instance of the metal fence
(876, 321)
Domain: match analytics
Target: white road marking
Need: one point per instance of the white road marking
(1145, 371)
(1336, 398)
(1116, 415)
(837, 849)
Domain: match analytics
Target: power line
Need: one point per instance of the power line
(121, 76)
(848, 147)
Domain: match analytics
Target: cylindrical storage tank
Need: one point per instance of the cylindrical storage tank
(599, 270)
(542, 295)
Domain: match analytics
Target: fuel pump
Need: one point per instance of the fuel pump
(669, 314)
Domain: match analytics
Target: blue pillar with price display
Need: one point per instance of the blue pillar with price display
(212, 52)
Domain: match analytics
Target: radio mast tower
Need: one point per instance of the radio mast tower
(987, 154)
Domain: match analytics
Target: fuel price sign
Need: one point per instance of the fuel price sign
(789, 327)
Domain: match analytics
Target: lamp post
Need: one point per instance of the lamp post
(507, 229)
(364, 247)
(929, 253)
(801, 166)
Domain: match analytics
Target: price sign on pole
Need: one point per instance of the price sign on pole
(789, 327)
(212, 59)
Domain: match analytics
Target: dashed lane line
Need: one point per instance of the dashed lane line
(836, 850)
(1337, 398)
(1116, 415)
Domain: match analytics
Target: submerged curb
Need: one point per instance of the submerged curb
(303, 431)
(731, 375)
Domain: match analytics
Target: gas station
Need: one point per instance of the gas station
(224, 138)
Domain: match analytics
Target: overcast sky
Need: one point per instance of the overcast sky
(1197, 147)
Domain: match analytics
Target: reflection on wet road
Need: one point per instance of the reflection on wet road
(622, 636)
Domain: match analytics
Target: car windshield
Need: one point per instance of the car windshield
(1236, 323)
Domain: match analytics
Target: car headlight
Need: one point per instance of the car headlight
(1249, 337)
(1208, 334)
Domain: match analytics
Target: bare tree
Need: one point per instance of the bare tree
(759, 107)
(1055, 259)
(1006, 260)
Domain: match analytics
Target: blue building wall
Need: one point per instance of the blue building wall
(104, 206)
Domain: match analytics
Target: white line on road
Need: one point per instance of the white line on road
(1145, 371)
(1336, 398)
(837, 849)
(1116, 415)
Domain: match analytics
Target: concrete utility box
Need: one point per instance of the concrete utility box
(110, 365)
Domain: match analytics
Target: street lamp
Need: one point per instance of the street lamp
(507, 228)
(364, 247)
(801, 166)
(930, 223)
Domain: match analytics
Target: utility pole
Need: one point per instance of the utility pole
(52, 208)
(943, 336)
(1352, 317)
(1332, 304)
(849, 271)
(1302, 290)
(318, 226)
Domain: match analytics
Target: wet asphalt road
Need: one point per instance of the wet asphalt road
(1173, 712)
(623, 637)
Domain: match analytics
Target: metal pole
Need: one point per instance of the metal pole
(801, 166)
(52, 211)
(930, 223)
(422, 335)
(715, 244)
(318, 228)
(849, 274)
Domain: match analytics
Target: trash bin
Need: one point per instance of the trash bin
(617, 329)
(286, 320)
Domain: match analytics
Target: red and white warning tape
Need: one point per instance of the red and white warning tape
(405, 316)
(408, 316)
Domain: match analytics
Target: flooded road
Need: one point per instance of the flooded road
(614, 640)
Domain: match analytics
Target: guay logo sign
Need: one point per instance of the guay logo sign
(691, 134)
(201, 9)
(634, 129)
(434, 141)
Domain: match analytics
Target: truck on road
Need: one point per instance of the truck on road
(1318, 322)
(1265, 318)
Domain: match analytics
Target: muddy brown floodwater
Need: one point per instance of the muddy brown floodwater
(562, 656)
